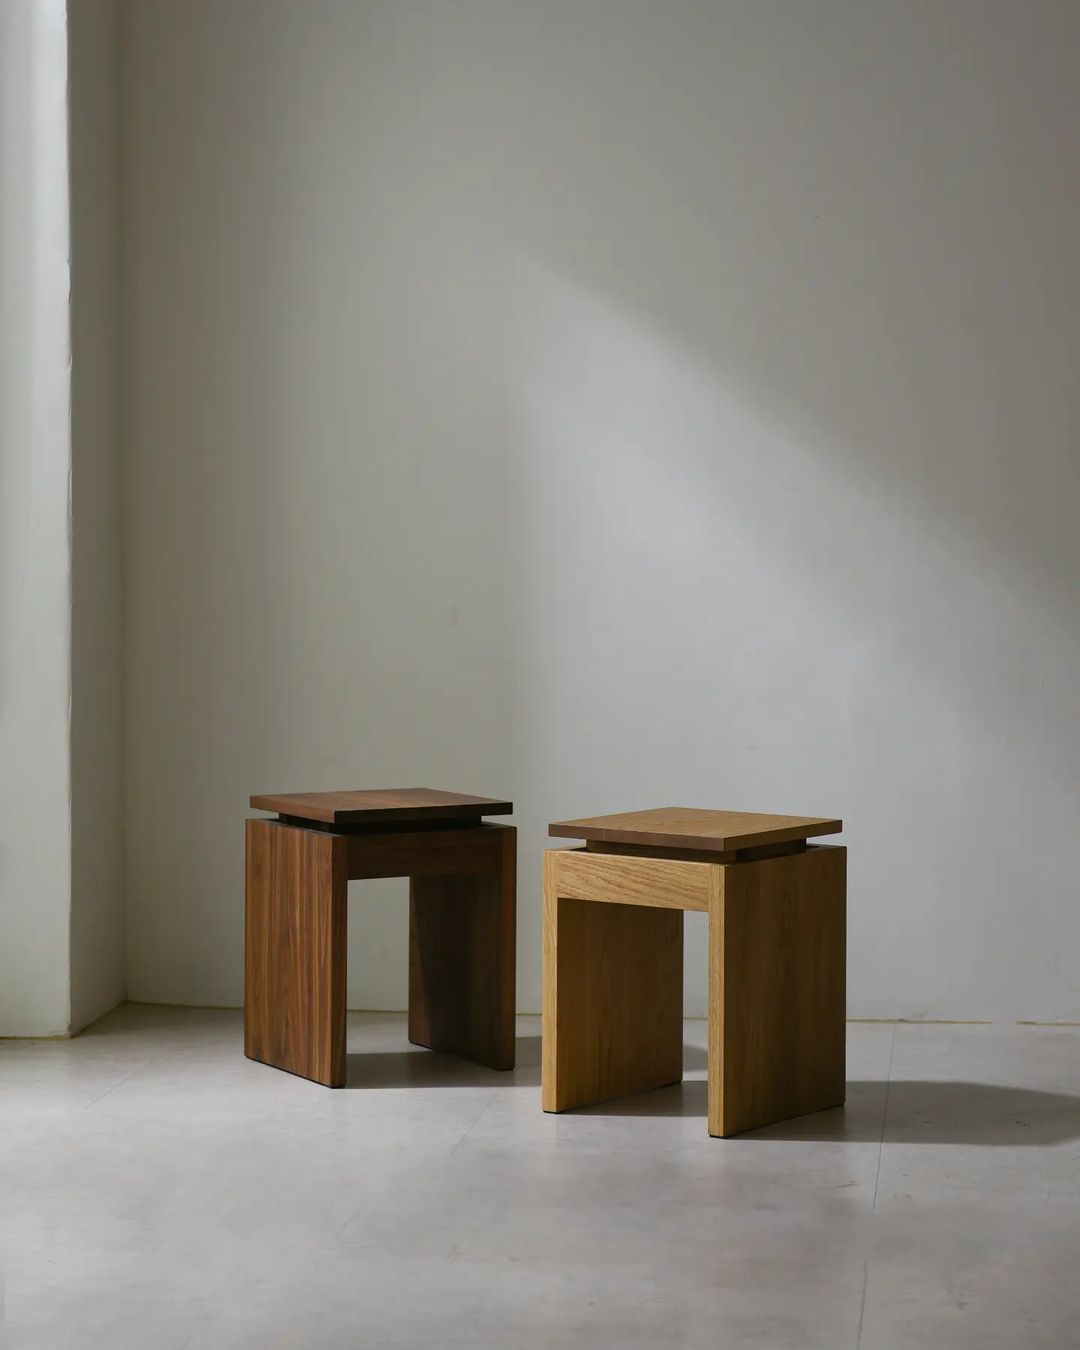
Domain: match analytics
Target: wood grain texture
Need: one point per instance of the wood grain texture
(686, 827)
(612, 998)
(663, 882)
(294, 951)
(698, 855)
(462, 941)
(380, 806)
(777, 989)
(454, 852)
(462, 952)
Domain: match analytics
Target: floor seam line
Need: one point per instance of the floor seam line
(884, 1121)
(131, 1075)
(483, 1111)
(862, 1304)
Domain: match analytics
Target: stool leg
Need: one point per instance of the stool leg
(294, 965)
(462, 957)
(612, 998)
(777, 989)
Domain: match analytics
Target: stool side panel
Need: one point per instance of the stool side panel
(462, 958)
(612, 998)
(777, 984)
(549, 984)
(295, 950)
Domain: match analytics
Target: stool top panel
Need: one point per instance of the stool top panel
(688, 827)
(376, 806)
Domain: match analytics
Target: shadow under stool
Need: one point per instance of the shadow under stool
(462, 917)
(613, 961)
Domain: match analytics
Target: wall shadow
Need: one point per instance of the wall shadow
(841, 385)
(755, 345)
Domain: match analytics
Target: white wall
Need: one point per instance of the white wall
(35, 458)
(609, 405)
(97, 909)
(61, 821)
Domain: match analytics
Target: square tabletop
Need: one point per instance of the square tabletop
(688, 827)
(381, 806)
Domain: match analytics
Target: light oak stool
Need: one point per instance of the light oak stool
(462, 908)
(613, 960)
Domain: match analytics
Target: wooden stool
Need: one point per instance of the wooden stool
(462, 877)
(613, 960)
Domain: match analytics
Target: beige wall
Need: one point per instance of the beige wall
(609, 405)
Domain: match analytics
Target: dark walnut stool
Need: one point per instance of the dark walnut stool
(462, 876)
(613, 960)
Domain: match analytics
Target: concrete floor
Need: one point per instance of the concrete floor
(160, 1192)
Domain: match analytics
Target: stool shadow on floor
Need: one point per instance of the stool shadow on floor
(905, 1111)
(420, 1068)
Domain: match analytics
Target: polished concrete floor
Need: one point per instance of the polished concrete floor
(160, 1192)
